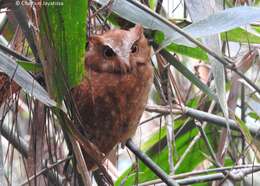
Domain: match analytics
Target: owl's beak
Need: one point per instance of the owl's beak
(126, 63)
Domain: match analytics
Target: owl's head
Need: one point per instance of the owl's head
(118, 51)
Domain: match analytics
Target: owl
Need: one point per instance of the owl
(113, 94)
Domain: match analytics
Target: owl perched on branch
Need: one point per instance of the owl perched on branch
(112, 97)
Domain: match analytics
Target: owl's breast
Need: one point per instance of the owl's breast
(110, 105)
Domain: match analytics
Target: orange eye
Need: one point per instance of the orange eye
(134, 48)
(108, 52)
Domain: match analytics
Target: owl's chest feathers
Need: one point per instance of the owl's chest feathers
(111, 105)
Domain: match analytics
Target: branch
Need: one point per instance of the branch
(210, 149)
(169, 180)
(19, 143)
(13, 53)
(237, 175)
(195, 139)
(204, 116)
(46, 171)
(149, 163)
(219, 58)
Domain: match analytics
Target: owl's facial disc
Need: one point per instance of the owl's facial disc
(118, 51)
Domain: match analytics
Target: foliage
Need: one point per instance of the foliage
(60, 41)
(63, 30)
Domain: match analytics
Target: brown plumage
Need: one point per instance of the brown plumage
(113, 94)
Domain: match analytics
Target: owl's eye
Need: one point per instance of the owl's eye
(134, 48)
(108, 52)
(87, 44)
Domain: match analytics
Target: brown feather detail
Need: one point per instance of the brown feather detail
(111, 99)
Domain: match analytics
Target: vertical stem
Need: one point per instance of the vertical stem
(211, 151)
(159, 6)
(137, 171)
(1, 162)
(243, 110)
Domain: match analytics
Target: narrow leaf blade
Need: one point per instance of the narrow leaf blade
(24, 79)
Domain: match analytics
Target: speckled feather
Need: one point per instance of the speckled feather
(113, 94)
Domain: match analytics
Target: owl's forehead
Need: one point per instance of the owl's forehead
(118, 35)
(119, 39)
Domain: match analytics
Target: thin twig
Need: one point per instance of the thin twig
(81, 164)
(194, 141)
(2, 172)
(150, 119)
(48, 167)
(204, 116)
(22, 146)
(159, 6)
(149, 163)
(103, 8)
(26, 26)
(246, 170)
(204, 136)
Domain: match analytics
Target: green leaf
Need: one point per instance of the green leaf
(188, 74)
(193, 103)
(257, 28)
(235, 35)
(220, 22)
(254, 115)
(154, 139)
(63, 40)
(196, 53)
(160, 135)
(192, 160)
(32, 67)
(240, 35)
(158, 36)
(152, 4)
(112, 18)
(245, 131)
